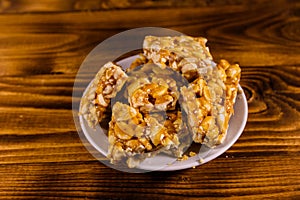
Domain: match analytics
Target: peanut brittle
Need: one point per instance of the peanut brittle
(134, 136)
(213, 87)
(171, 95)
(185, 54)
(151, 96)
(107, 82)
(231, 74)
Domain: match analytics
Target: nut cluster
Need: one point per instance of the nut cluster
(135, 136)
(107, 82)
(184, 54)
(231, 74)
(145, 116)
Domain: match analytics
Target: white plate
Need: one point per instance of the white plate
(98, 138)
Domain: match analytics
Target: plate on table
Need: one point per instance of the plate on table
(162, 162)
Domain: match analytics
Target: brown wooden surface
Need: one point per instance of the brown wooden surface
(42, 45)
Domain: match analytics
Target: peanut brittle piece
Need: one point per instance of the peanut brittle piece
(184, 54)
(209, 104)
(231, 74)
(107, 82)
(134, 137)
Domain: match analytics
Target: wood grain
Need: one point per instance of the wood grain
(42, 45)
(22, 6)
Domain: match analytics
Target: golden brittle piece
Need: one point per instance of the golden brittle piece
(107, 82)
(134, 137)
(185, 54)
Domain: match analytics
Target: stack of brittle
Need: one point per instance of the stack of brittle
(173, 94)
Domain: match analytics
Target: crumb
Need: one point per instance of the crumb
(183, 158)
(240, 91)
(191, 154)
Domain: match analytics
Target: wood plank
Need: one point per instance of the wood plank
(21, 6)
(191, 183)
(35, 120)
(247, 39)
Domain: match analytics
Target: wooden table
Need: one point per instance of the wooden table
(43, 44)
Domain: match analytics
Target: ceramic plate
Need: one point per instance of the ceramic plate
(162, 162)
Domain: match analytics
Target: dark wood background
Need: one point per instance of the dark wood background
(42, 44)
